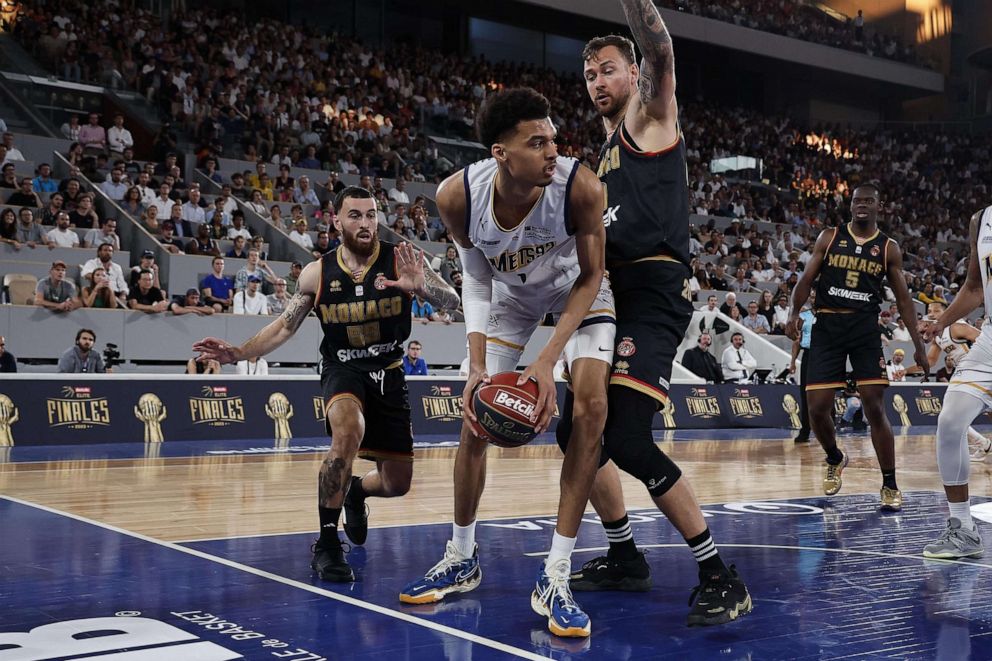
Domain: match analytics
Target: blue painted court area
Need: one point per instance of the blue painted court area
(831, 579)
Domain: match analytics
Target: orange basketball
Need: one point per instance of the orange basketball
(505, 411)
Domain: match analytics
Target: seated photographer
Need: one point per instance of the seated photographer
(81, 358)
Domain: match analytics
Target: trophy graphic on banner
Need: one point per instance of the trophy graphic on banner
(280, 410)
(900, 406)
(8, 416)
(791, 406)
(668, 414)
(151, 411)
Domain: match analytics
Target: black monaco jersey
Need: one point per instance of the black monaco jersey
(647, 200)
(852, 272)
(364, 323)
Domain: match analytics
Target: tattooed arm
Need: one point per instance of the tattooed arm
(273, 335)
(656, 82)
(437, 292)
(415, 276)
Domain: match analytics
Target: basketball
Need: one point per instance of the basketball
(505, 411)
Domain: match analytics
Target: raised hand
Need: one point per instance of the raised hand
(409, 270)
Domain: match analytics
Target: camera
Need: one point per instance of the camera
(111, 356)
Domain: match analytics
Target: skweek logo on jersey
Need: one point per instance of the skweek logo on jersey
(927, 403)
(78, 409)
(216, 408)
(118, 638)
(442, 404)
(864, 297)
(745, 405)
(372, 351)
(702, 404)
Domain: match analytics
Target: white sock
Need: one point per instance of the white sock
(561, 549)
(463, 537)
(976, 437)
(962, 512)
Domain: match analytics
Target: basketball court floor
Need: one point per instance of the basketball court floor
(200, 551)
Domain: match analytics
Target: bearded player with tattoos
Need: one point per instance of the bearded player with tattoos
(361, 293)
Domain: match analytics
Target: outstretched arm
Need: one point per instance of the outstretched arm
(415, 276)
(273, 335)
(656, 82)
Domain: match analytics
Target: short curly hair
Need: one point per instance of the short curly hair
(503, 111)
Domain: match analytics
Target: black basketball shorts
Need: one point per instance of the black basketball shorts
(383, 398)
(838, 337)
(653, 313)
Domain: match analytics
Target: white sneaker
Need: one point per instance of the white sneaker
(982, 450)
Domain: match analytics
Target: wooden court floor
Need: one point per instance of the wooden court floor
(225, 496)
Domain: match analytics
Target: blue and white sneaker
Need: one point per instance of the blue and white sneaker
(553, 599)
(452, 574)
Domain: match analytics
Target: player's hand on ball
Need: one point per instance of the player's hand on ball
(474, 380)
(543, 374)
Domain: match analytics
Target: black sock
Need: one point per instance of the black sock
(357, 492)
(889, 479)
(834, 456)
(704, 550)
(329, 525)
(622, 546)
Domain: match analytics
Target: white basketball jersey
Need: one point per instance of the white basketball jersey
(985, 265)
(955, 349)
(540, 251)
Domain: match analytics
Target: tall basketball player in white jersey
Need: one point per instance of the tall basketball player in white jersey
(968, 396)
(528, 225)
(954, 344)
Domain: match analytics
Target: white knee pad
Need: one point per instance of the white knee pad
(958, 412)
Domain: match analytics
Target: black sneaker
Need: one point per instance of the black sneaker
(329, 563)
(356, 516)
(719, 598)
(801, 437)
(606, 573)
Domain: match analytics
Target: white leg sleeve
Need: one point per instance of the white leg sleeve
(956, 415)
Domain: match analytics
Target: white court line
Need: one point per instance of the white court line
(351, 601)
(541, 554)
